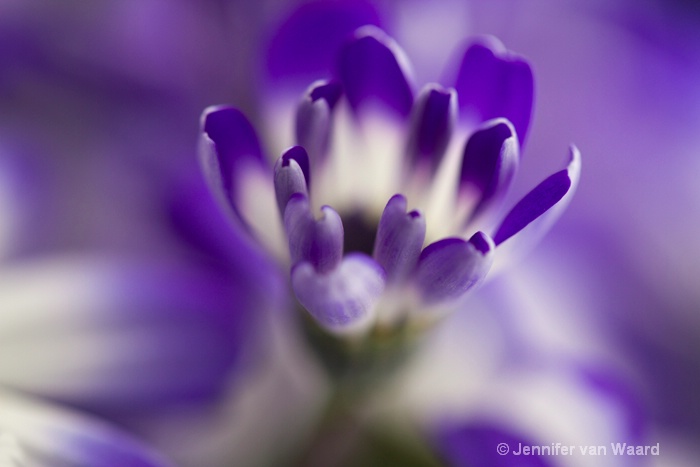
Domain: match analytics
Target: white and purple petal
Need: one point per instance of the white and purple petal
(432, 122)
(374, 71)
(111, 334)
(230, 146)
(492, 82)
(239, 177)
(448, 268)
(291, 175)
(318, 241)
(533, 216)
(342, 300)
(544, 204)
(313, 123)
(34, 433)
(490, 161)
(399, 239)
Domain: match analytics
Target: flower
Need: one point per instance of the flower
(367, 149)
(583, 71)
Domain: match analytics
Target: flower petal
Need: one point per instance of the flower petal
(319, 242)
(490, 162)
(432, 122)
(374, 69)
(200, 223)
(239, 177)
(112, 334)
(538, 210)
(448, 268)
(479, 444)
(291, 175)
(343, 299)
(492, 82)
(313, 118)
(35, 433)
(306, 44)
(399, 239)
(229, 147)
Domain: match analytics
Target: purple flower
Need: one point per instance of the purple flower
(389, 208)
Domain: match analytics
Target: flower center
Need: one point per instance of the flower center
(360, 233)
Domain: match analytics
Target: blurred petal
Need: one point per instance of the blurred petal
(399, 239)
(342, 300)
(492, 82)
(612, 384)
(37, 434)
(448, 268)
(475, 445)
(374, 70)
(538, 210)
(10, 213)
(23, 191)
(113, 334)
(305, 45)
(197, 220)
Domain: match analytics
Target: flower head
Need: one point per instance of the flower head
(388, 208)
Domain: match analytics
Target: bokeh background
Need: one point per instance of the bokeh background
(99, 112)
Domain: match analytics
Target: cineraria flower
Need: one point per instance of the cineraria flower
(387, 210)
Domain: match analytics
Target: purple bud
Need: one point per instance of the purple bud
(374, 69)
(314, 118)
(432, 123)
(491, 158)
(399, 239)
(319, 242)
(291, 175)
(448, 268)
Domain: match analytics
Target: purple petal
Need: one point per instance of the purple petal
(341, 300)
(229, 147)
(118, 335)
(319, 242)
(448, 268)
(373, 69)
(493, 82)
(544, 204)
(330, 91)
(432, 122)
(399, 239)
(36, 433)
(612, 386)
(305, 46)
(291, 175)
(313, 118)
(490, 162)
(475, 445)
(198, 222)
